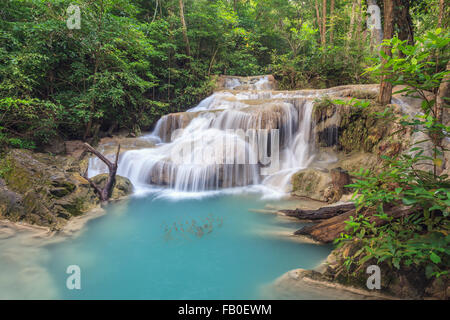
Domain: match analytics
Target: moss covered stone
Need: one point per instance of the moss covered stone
(47, 190)
(351, 128)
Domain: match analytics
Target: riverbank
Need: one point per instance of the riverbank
(333, 273)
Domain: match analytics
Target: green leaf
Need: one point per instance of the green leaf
(435, 258)
(409, 201)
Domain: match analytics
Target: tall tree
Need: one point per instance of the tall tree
(324, 22)
(184, 28)
(441, 13)
(403, 21)
(385, 94)
(319, 21)
(332, 21)
(442, 99)
(352, 22)
(358, 23)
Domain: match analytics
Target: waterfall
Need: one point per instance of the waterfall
(222, 142)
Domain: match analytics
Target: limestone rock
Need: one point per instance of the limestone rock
(404, 283)
(11, 204)
(320, 184)
(172, 122)
(47, 190)
(353, 162)
(122, 187)
(351, 129)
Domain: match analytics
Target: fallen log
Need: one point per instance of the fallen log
(328, 230)
(103, 193)
(319, 214)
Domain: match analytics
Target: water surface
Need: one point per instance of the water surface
(153, 248)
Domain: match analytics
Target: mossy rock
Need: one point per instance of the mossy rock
(406, 282)
(47, 190)
(323, 109)
(350, 128)
(353, 162)
(311, 183)
(122, 187)
(11, 203)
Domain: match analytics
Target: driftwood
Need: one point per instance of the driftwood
(328, 230)
(104, 193)
(319, 214)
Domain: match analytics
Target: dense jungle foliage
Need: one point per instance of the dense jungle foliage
(418, 239)
(133, 60)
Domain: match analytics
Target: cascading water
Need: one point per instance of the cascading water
(225, 129)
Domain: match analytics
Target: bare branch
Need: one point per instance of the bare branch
(105, 193)
(93, 185)
(99, 155)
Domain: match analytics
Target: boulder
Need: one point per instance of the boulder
(11, 203)
(403, 283)
(75, 148)
(122, 187)
(320, 184)
(311, 183)
(47, 190)
(339, 179)
(353, 162)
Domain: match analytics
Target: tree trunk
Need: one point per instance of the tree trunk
(332, 22)
(324, 22)
(104, 193)
(352, 22)
(319, 214)
(184, 28)
(441, 13)
(385, 94)
(443, 94)
(358, 24)
(156, 10)
(403, 21)
(319, 23)
(328, 230)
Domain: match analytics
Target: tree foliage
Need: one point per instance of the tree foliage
(413, 179)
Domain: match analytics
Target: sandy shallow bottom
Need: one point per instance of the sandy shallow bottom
(21, 258)
(23, 253)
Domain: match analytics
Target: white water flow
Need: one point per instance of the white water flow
(222, 141)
